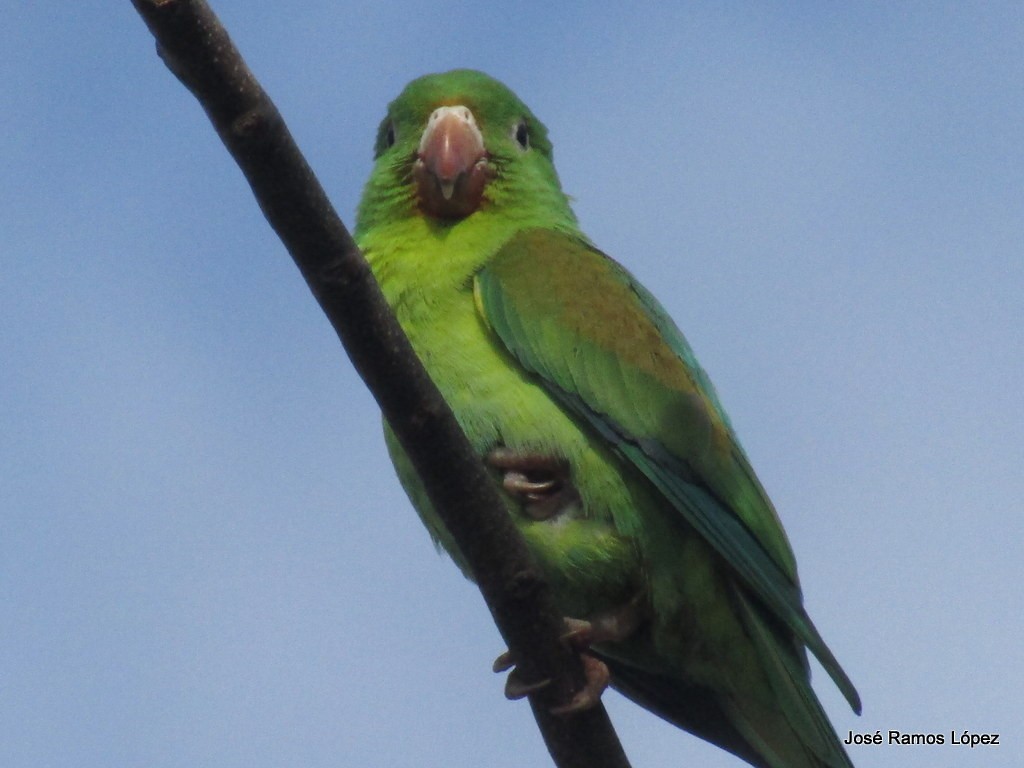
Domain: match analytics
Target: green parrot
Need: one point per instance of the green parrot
(616, 458)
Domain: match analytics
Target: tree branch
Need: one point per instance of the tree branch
(196, 48)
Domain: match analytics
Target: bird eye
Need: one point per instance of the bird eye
(522, 134)
(389, 136)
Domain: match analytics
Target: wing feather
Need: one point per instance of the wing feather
(624, 367)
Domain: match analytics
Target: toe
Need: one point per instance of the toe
(504, 662)
(597, 679)
(516, 688)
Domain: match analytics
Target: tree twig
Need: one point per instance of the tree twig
(196, 48)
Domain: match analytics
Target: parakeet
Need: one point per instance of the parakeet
(616, 458)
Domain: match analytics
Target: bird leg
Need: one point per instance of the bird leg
(608, 626)
(540, 483)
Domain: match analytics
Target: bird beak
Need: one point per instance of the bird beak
(451, 164)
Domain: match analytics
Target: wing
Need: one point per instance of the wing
(630, 374)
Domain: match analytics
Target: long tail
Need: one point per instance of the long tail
(796, 731)
(693, 708)
(786, 728)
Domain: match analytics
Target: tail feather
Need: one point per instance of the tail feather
(792, 691)
(693, 708)
(780, 725)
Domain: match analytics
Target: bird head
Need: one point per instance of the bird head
(455, 145)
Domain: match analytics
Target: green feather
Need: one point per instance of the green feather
(542, 344)
(749, 539)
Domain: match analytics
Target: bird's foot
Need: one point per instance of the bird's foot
(540, 483)
(580, 634)
(596, 679)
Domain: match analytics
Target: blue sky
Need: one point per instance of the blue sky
(205, 559)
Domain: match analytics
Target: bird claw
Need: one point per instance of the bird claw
(540, 482)
(579, 636)
(516, 688)
(595, 672)
(520, 484)
(609, 626)
(589, 696)
(503, 663)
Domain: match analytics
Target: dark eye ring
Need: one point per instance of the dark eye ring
(523, 134)
(389, 136)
